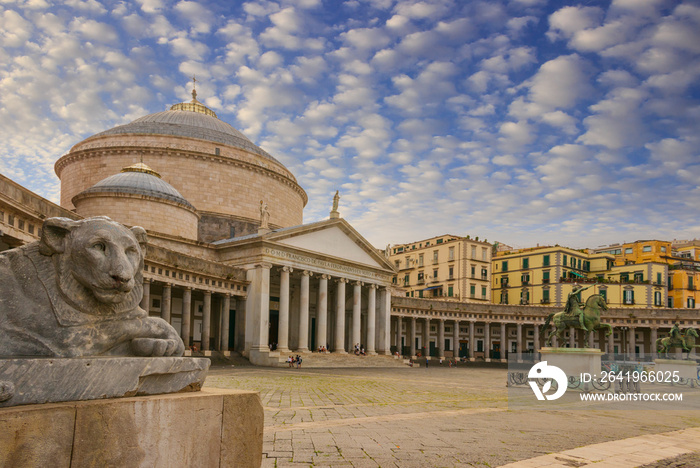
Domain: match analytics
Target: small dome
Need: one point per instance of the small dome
(138, 179)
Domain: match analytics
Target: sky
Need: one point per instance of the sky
(519, 121)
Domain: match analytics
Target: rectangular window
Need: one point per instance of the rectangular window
(484, 253)
(628, 297)
(483, 292)
(690, 282)
(657, 298)
(31, 229)
(604, 293)
(435, 273)
(472, 290)
(658, 278)
(420, 276)
(435, 256)
(11, 219)
(691, 303)
(624, 278)
(484, 274)
(564, 258)
(628, 251)
(504, 266)
(545, 296)
(473, 271)
(473, 251)
(406, 280)
(646, 248)
(526, 263)
(450, 290)
(545, 277)
(451, 253)
(579, 264)
(586, 265)
(451, 274)
(420, 293)
(545, 260)
(439, 241)
(663, 248)
(408, 262)
(397, 263)
(420, 260)
(525, 278)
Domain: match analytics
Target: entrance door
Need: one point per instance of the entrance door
(433, 350)
(232, 329)
(312, 338)
(496, 350)
(274, 326)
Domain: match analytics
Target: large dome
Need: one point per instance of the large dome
(194, 124)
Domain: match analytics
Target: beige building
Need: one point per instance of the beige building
(447, 267)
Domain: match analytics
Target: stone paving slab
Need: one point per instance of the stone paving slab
(435, 417)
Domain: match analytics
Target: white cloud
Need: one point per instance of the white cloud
(199, 16)
(14, 29)
(617, 121)
(560, 82)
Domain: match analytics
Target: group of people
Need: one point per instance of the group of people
(359, 350)
(294, 361)
(322, 349)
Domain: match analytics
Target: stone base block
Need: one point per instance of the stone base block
(49, 380)
(207, 353)
(573, 361)
(210, 428)
(685, 369)
(226, 353)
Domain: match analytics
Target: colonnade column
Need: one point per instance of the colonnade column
(654, 337)
(399, 324)
(371, 318)
(536, 338)
(591, 340)
(166, 301)
(611, 343)
(186, 316)
(206, 320)
(146, 298)
(283, 325)
(472, 341)
(426, 336)
(304, 313)
(225, 308)
(356, 313)
(322, 312)
(339, 338)
(504, 342)
(487, 341)
(455, 340)
(441, 338)
(632, 340)
(412, 344)
(519, 341)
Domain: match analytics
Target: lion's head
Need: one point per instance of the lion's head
(98, 263)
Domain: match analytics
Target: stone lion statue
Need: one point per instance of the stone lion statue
(76, 292)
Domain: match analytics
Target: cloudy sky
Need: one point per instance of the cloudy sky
(522, 121)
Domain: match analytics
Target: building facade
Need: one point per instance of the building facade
(448, 267)
(547, 275)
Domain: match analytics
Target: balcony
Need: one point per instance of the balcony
(545, 280)
(450, 277)
(420, 281)
(526, 282)
(544, 301)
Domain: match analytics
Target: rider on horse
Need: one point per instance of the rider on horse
(573, 306)
(676, 336)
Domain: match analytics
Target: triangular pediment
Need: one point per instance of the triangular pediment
(334, 240)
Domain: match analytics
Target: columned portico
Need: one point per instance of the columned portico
(339, 337)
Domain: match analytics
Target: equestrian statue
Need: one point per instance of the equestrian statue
(676, 339)
(578, 316)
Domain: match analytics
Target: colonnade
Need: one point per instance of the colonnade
(222, 328)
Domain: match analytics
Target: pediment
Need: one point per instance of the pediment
(333, 241)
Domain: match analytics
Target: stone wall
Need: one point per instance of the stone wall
(150, 213)
(214, 227)
(232, 182)
(211, 428)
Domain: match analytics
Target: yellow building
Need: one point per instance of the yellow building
(547, 275)
(681, 258)
(444, 267)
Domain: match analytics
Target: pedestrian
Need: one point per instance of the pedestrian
(426, 361)
(298, 361)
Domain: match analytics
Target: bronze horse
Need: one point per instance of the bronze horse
(591, 318)
(688, 343)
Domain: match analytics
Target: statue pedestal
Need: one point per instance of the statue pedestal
(685, 369)
(573, 361)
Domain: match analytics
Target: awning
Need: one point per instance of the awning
(432, 287)
(577, 274)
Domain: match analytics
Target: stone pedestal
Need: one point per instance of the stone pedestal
(573, 361)
(210, 428)
(685, 369)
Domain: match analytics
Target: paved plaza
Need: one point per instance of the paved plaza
(439, 417)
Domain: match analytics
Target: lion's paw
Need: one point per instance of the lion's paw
(156, 347)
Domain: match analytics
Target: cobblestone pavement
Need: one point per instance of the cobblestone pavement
(418, 417)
